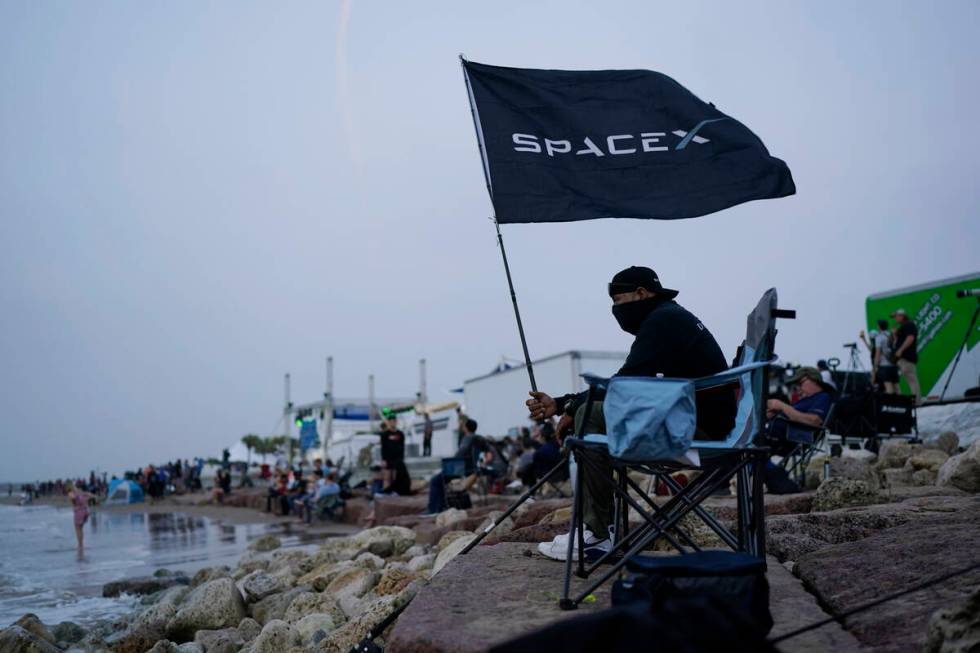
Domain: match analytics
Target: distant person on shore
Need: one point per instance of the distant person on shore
(427, 436)
(468, 447)
(883, 368)
(906, 351)
(392, 448)
(79, 503)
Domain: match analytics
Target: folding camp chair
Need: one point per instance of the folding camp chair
(452, 469)
(801, 443)
(738, 456)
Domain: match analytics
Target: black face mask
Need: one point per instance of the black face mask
(631, 315)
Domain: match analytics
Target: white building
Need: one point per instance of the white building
(496, 400)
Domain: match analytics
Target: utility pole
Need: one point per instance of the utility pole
(372, 411)
(287, 415)
(328, 408)
(423, 395)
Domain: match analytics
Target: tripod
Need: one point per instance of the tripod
(966, 338)
(853, 365)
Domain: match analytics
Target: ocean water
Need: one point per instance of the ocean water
(40, 570)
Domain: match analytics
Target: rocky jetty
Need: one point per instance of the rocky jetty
(876, 525)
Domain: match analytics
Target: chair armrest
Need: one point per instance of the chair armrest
(800, 425)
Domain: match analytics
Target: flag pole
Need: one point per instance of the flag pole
(500, 237)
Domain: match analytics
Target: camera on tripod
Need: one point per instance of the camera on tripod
(850, 345)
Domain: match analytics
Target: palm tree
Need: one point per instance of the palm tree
(251, 441)
(266, 446)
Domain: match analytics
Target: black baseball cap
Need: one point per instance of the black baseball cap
(634, 277)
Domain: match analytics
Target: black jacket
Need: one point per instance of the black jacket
(673, 342)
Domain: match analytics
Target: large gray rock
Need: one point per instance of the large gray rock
(842, 492)
(172, 595)
(451, 517)
(190, 647)
(450, 552)
(487, 597)
(274, 606)
(370, 561)
(249, 628)
(141, 586)
(17, 640)
(789, 537)
(258, 585)
(224, 640)
(896, 477)
(308, 627)
(384, 541)
(947, 441)
(394, 579)
(312, 602)
(422, 562)
(33, 625)
(343, 639)
(855, 469)
(214, 605)
(494, 522)
(962, 471)
(68, 632)
(931, 459)
(924, 478)
(208, 574)
(353, 582)
(895, 453)
(146, 629)
(956, 629)
(265, 543)
(276, 637)
(322, 575)
(165, 646)
(931, 536)
(450, 537)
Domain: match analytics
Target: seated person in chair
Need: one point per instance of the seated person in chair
(809, 410)
(469, 445)
(670, 341)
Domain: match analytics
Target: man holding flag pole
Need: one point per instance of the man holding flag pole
(562, 146)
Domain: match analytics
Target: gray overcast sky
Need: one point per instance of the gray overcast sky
(196, 197)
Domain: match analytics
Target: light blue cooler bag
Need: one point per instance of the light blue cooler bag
(649, 418)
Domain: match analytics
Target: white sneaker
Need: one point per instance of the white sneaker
(557, 548)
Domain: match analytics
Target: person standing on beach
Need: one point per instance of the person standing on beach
(906, 351)
(79, 502)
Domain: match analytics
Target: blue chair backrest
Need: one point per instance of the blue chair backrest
(453, 468)
(752, 374)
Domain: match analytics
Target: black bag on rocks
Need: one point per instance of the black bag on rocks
(459, 499)
(690, 625)
(735, 582)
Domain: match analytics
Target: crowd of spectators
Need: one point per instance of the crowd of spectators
(176, 477)
(319, 493)
(95, 484)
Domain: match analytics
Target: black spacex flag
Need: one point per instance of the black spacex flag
(565, 145)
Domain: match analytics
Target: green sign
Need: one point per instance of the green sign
(943, 319)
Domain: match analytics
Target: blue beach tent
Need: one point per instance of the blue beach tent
(123, 492)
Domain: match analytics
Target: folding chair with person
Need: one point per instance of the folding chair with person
(799, 444)
(651, 428)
